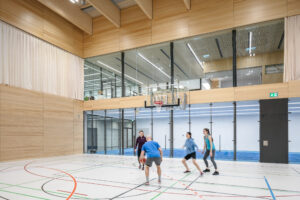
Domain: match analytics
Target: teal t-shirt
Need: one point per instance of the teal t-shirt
(151, 148)
(208, 144)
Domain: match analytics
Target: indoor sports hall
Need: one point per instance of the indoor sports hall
(149, 99)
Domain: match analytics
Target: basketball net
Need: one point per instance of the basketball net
(158, 104)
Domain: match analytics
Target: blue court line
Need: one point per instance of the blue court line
(273, 196)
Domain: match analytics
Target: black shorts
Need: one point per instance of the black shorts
(139, 151)
(191, 155)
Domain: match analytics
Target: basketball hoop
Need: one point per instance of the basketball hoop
(158, 105)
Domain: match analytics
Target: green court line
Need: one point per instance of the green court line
(170, 187)
(26, 195)
(36, 189)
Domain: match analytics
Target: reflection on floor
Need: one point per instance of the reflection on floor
(251, 156)
(117, 177)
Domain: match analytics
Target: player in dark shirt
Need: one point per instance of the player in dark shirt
(140, 141)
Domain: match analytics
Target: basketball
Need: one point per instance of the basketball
(143, 160)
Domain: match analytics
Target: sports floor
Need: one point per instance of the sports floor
(96, 176)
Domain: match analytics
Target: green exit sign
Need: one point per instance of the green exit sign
(273, 94)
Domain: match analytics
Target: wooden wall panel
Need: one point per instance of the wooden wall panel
(208, 16)
(293, 7)
(105, 38)
(256, 92)
(135, 28)
(170, 20)
(38, 20)
(294, 88)
(215, 95)
(34, 124)
(21, 124)
(58, 125)
(21, 147)
(78, 127)
(253, 11)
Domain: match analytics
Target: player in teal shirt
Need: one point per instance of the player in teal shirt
(210, 150)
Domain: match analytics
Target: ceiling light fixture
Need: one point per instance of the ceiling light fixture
(159, 69)
(193, 52)
(111, 68)
(74, 1)
(250, 44)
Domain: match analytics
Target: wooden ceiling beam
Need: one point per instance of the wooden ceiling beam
(187, 4)
(146, 6)
(70, 12)
(108, 10)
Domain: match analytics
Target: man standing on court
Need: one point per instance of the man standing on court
(154, 154)
(140, 141)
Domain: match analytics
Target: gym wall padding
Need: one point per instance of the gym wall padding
(34, 124)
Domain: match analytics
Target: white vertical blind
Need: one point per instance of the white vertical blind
(31, 63)
(292, 48)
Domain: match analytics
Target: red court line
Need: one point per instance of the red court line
(74, 193)
(74, 180)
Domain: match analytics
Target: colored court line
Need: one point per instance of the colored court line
(189, 185)
(169, 187)
(74, 180)
(36, 189)
(74, 193)
(60, 176)
(272, 194)
(24, 195)
(130, 190)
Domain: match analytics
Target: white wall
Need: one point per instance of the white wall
(294, 132)
(247, 131)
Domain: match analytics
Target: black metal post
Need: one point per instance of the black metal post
(111, 90)
(105, 151)
(190, 121)
(101, 78)
(123, 95)
(172, 111)
(234, 84)
(115, 90)
(234, 130)
(135, 123)
(234, 76)
(93, 137)
(151, 123)
(211, 118)
(200, 83)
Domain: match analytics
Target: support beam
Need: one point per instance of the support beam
(70, 12)
(108, 10)
(187, 4)
(146, 6)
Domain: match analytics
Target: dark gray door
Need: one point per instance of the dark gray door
(274, 131)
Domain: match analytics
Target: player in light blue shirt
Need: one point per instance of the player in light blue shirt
(190, 148)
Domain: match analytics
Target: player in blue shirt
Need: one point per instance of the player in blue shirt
(154, 154)
(190, 147)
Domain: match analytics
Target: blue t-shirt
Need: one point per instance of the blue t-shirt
(190, 146)
(151, 148)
